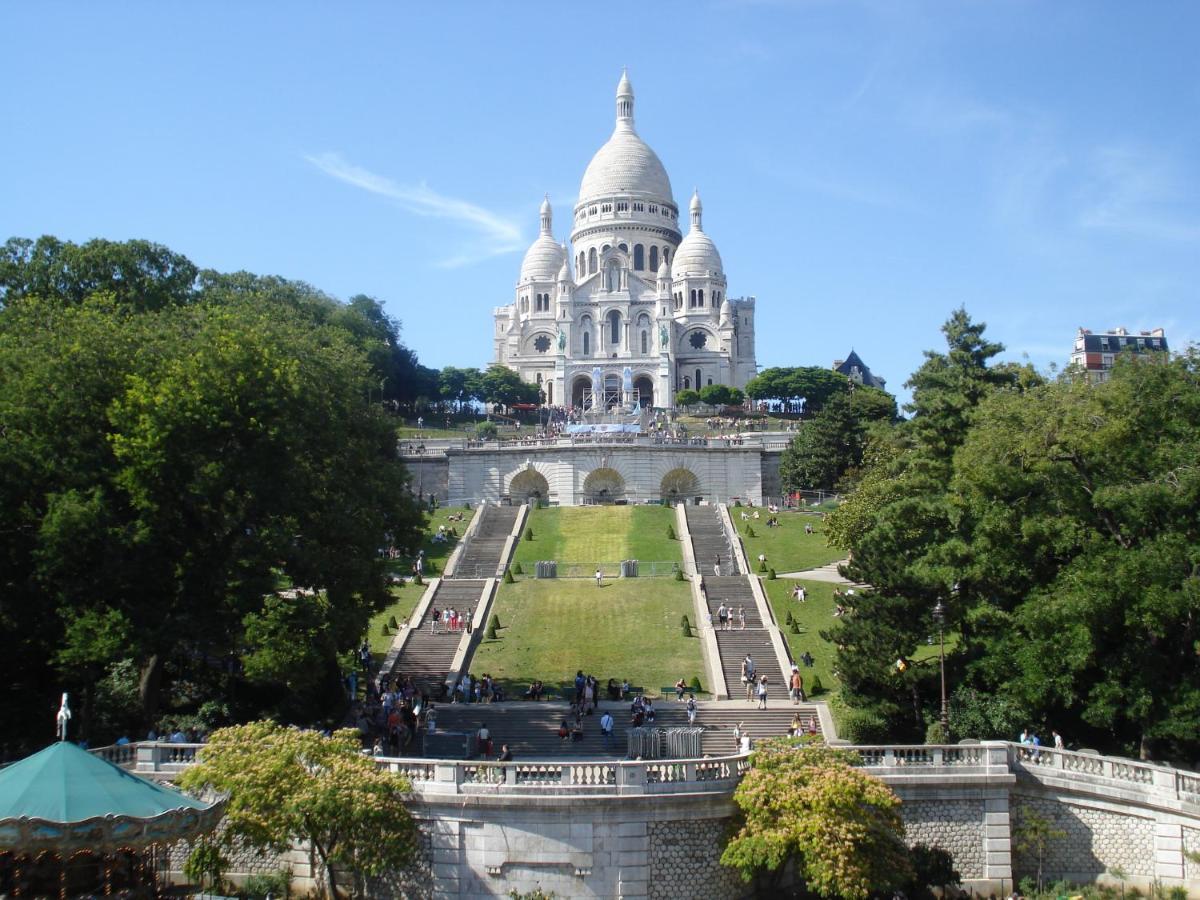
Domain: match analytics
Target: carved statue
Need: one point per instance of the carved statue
(562, 339)
(663, 338)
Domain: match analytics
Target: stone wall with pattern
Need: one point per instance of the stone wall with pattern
(685, 861)
(1095, 840)
(953, 825)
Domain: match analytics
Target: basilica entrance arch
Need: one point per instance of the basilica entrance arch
(679, 484)
(578, 386)
(529, 484)
(645, 388)
(604, 485)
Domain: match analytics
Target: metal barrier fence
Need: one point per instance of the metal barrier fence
(627, 568)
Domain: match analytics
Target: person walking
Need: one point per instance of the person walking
(721, 614)
(748, 676)
(741, 618)
(762, 692)
(599, 577)
(691, 709)
(606, 728)
(797, 686)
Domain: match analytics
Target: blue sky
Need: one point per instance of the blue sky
(865, 167)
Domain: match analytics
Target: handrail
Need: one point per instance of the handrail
(1158, 783)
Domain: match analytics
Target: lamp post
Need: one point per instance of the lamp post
(939, 616)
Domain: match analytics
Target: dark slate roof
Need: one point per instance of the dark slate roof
(1114, 343)
(852, 362)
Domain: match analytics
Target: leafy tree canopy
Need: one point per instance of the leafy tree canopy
(286, 785)
(810, 804)
(815, 384)
(163, 468)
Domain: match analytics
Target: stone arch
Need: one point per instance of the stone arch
(679, 483)
(645, 388)
(580, 384)
(529, 484)
(604, 485)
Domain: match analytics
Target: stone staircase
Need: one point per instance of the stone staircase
(480, 557)
(735, 643)
(531, 728)
(709, 540)
(427, 656)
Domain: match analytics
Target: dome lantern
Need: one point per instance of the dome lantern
(625, 101)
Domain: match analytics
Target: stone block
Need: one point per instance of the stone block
(995, 832)
(632, 829)
(999, 858)
(1169, 844)
(997, 818)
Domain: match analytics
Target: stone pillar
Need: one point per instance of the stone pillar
(997, 836)
(633, 860)
(1168, 850)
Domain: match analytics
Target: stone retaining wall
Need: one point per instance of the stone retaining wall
(685, 861)
(1095, 840)
(953, 825)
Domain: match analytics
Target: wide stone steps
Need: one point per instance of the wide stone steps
(427, 656)
(531, 728)
(735, 592)
(480, 558)
(709, 540)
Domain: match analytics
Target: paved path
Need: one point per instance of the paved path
(827, 573)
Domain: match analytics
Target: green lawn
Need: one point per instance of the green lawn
(814, 615)
(599, 534)
(626, 629)
(405, 600)
(787, 547)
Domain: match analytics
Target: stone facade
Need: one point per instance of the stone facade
(685, 861)
(1096, 840)
(953, 825)
(645, 313)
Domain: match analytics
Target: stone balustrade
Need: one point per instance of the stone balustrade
(497, 826)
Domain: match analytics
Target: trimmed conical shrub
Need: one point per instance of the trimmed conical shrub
(393, 623)
(670, 531)
(529, 534)
(517, 570)
(795, 627)
(770, 574)
(385, 631)
(508, 576)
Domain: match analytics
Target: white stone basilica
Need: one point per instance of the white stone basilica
(645, 312)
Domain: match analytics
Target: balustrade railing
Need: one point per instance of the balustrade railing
(718, 774)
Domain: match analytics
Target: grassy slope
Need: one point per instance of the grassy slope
(599, 534)
(814, 615)
(787, 547)
(626, 629)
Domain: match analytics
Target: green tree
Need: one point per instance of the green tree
(716, 394)
(164, 468)
(1034, 834)
(286, 785)
(686, 397)
(812, 383)
(812, 805)
(905, 532)
(502, 386)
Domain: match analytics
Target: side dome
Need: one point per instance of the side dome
(697, 254)
(543, 260)
(625, 165)
(545, 255)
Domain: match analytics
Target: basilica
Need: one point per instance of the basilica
(631, 310)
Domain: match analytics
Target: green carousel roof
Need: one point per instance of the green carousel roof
(66, 796)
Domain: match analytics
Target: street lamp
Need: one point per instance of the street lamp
(939, 617)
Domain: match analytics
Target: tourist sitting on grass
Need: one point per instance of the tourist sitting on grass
(839, 611)
(680, 687)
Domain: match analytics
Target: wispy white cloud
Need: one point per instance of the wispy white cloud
(1139, 192)
(496, 235)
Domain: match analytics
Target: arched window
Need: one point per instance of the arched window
(606, 248)
(666, 254)
(539, 379)
(592, 261)
(586, 344)
(645, 343)
(698, 382)
(581, 266)
(687, 382)
(653, 259)
(700, 293)
(624, 248)
(710, 381)
(614, 324)
(692, 299)
(639, 257)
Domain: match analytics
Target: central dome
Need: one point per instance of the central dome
(625, 165)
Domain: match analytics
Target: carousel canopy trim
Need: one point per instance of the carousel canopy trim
(65, 796)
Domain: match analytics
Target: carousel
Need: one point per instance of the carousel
(75, 825)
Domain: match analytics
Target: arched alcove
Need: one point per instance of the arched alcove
(604, 485)
(529, 484)
(679, 483)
